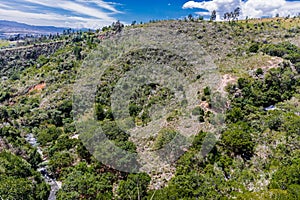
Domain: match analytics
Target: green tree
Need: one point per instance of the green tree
(59, 161)
(254, 48)
(100, 113)
(117, 26)
(164, 137)
(86, 185)
(237, 138)
(77, 52)
(134, 187)
(213, 15)
(287, 175)
(19, 181)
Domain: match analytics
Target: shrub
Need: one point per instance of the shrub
(254, 48)
(134, 187)
(198, 111)
(201, 118)
(164, 137)
(100, 113)
(297, 67)
(134, 109)
(60, 160)
(237, 139)
(48, 134)
(293, 57)
(207, 91)
(259, 71)
(287, 175)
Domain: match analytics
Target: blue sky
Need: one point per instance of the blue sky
(99, 13)
(151, 10)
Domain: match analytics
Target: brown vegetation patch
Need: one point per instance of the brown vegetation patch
(38, 87)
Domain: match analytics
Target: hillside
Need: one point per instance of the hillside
(186, 109)
(9, 29)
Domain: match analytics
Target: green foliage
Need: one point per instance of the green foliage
(42, 60)
(237, 138)
(55, 117)
(82, 152)
(9, 131)
(14, 166)
(77, 52)
(198, 140)
(134, 109)
(279, 85)
(113, 132)
(34, 158)
(201, 118)
(210, 169)
(62, 143)
(287, 175)
(134, 187)
(16, 188)
(59, 161)
(290, 124)
(254, 48)
(285, 49)
(208, 185)
(99, 111)
(266, 195)
(294, 191)
(207, 91)
(48, 134)
(83, 183)
(183, 187)
(3, 114)
(275, 120)
(293, 57)
(18, 180)
(259, 71)
(234, 115)
(65, 108)
(4, 95)
(12, 135)
(198, 111)
(164, 137)
(297, 67)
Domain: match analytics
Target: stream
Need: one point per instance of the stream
(43, 170)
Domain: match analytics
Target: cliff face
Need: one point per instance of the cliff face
(18, 59)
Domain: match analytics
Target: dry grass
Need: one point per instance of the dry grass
(4, 43)
(240, 66)
(283, 22)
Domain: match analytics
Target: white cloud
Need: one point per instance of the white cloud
(105, 5)
(250, 8)
(62, 13)
(5, 6)
(80, 9)
(202, 13)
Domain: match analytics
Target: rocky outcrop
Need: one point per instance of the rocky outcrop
(18, 59)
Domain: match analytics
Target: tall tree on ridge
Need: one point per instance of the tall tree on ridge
(213, 16)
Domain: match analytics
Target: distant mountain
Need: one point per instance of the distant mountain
(10, 28)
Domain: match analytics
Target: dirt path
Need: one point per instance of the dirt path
(226, 79)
